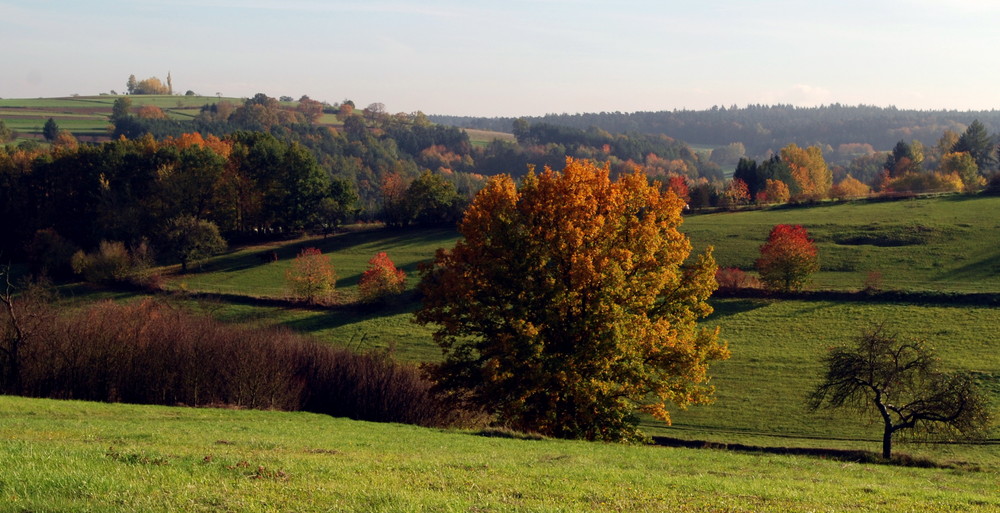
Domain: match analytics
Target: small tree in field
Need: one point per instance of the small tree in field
(899, 381)
(381, 280)
(311, 276)
(787, 258)
(190, 239)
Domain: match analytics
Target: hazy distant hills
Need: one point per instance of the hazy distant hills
(762, 128)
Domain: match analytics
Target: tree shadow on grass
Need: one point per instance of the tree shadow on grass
(287, 250)
(342, 316)
(730, 307)
(985, 268)
(848, 455)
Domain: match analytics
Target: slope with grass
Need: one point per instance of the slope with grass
(949, 244)
(776, 345)
(74, 456)
(87, 116)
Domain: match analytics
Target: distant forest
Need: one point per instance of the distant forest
(764, 129)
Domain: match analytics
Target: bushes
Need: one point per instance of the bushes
(114, 264)
(732, 278)
(150, 353)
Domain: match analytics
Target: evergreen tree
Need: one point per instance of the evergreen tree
(976, 141)
(51, 130)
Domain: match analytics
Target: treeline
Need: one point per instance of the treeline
(267, 166)
(371, 144)
(965, 162)
(764, 129)
(131, 190)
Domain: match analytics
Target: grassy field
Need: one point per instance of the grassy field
(936, 244)
(485, 137)
(74, 456)
(943, 243)
(776, 345)
(87, 116)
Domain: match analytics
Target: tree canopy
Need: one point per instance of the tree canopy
(787, 258)
(570, 304)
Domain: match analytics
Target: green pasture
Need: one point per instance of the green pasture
(948, 243)
(776, 345)
(485, 137)
(776, 351)
(75, 456)
(242, 271)
(78, 114)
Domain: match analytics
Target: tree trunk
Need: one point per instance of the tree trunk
(887, 442)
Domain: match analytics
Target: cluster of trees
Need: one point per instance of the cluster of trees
(957, 163)
(143, 189)
(151, 85)
(374, 147)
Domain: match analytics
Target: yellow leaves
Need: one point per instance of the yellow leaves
(809, 170)
(571, 301)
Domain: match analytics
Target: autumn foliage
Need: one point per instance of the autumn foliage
(381, 280)
(311, 276)
(787, 258)
(570, 304)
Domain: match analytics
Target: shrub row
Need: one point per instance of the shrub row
(149, 352)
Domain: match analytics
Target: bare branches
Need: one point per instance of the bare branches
(900, 380)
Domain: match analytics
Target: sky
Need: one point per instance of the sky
(515, 57)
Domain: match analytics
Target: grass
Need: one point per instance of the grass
(74, 456)
(931, 244)
(776, 345)
(938, 244)
(776, 350)
(87, 116)
(485, 137)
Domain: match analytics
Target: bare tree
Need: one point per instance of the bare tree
(20, 320)
(899, 381)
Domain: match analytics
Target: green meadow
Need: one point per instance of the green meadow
(87, 116)
(75, 457)
(776, 345)
(86, 457)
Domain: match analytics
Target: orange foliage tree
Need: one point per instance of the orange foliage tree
(150, 112)
(787, 258)
(381, 280)
(736, 193)
(850, 187)
(311, 276)
(775, 191)
(570, 304)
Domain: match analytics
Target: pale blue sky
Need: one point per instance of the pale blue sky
(515, 57)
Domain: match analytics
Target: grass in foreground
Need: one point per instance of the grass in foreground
(73, 456)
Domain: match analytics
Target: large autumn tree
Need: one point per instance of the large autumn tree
(570, 304)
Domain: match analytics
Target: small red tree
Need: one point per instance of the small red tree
(311, 276)
(381, 280)
(787, 258)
